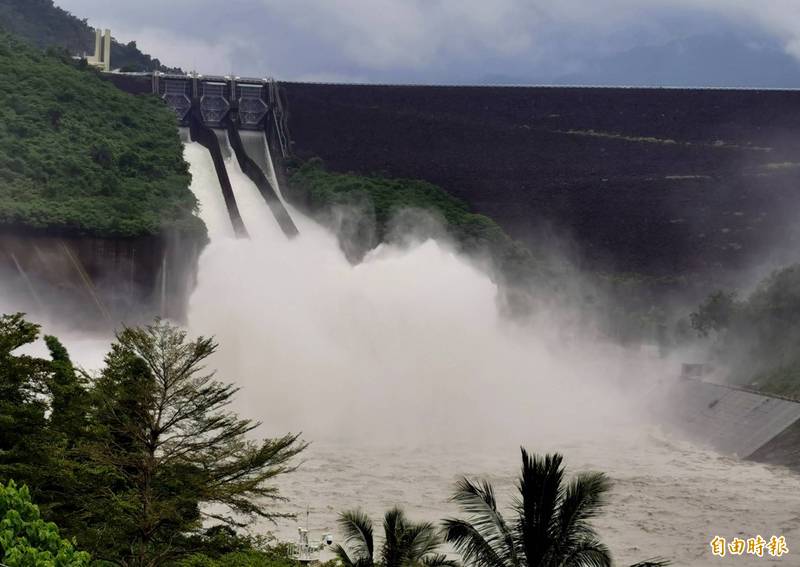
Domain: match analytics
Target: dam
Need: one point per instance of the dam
(734, 421)
(700, 181)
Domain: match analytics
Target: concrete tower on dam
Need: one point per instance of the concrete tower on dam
(102, 50)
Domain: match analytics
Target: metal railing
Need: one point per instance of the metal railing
(279, 117)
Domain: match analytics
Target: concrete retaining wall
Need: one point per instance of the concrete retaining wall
(735, 421)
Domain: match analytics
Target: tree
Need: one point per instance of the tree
(170, 451)
(406, 543)
(715, 313)
(22, 403)
(26, 539)
(759, 335)
(69, 400)
(552, 520)
(220, 546)
(43, 407)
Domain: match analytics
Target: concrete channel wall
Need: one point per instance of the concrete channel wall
(737, 422)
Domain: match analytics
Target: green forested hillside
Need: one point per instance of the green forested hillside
(378, 199)
(79, 155)
(44, 25)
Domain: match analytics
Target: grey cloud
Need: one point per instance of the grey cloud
(423, 40)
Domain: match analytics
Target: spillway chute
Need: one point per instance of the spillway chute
(251, 157)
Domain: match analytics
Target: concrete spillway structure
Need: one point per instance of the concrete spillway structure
(208, 138)
(221, 112)
(220, 99)
(251, 152)
(734, 421)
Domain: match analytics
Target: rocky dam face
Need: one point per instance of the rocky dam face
(96, 283)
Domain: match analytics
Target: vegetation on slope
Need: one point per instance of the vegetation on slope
(43, 24)
(758, 335)
(79, 155)
(378, 202)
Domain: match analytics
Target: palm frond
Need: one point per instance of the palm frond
(341, 553)
(419, 540)
(587, 553)
(479, 502)
(438, 560)
(358, 537)
(541, 490)
(583, 499)
(471, 544)
(394, 526)
(654, 562)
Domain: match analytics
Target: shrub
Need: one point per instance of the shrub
(28, 541)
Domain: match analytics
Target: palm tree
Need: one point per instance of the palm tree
(406, 543)
(551, 527)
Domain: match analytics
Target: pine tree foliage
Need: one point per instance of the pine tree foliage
(176, 452)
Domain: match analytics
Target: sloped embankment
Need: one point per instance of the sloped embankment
(736, 421)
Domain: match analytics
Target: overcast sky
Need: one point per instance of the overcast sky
(455, 41)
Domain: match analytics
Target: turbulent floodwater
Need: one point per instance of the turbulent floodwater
(669, 497)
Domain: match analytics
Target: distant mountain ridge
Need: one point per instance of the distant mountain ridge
(711, 60)
(44, 24)
(724, 59)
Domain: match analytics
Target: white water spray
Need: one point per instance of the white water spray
(408, 344)
(402, 373)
